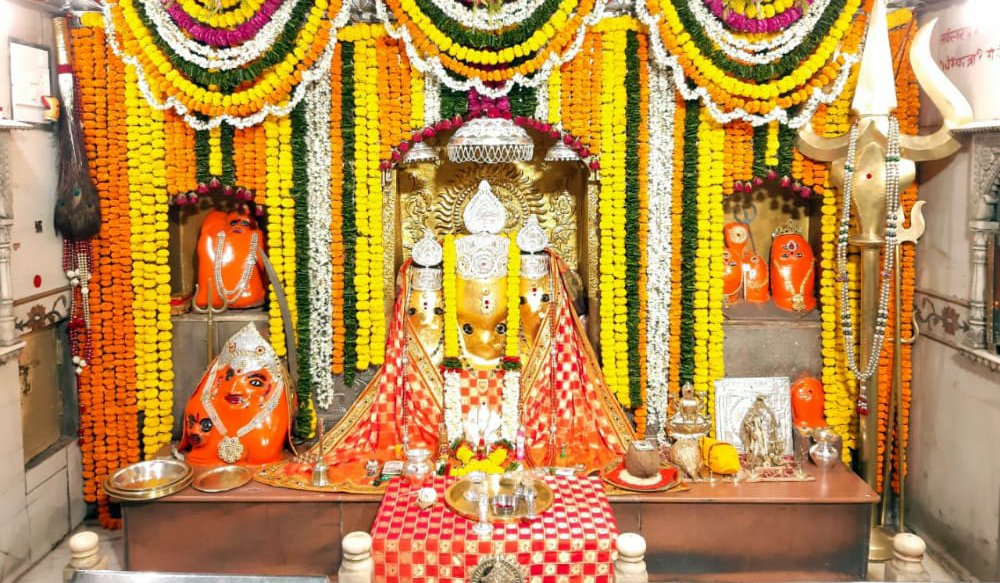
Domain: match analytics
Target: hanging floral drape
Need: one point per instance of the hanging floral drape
(285, 102)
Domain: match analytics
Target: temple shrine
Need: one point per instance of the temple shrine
(526, 291)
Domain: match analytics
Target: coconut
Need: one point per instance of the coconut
(642, 459)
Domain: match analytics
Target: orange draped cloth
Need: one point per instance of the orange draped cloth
(562, 388)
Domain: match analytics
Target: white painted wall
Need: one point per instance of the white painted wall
(40, 504)
(953, 494)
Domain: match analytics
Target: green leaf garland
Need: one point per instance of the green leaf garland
(300, 197)
(689, 239)
(348, 227)
(632, 251)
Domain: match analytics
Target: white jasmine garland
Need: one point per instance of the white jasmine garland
(432, 100)
(432, 67)
(780, 114)
(761, 52)
(662, 105)
(481, 19)
(509, 404)
(542, 102)
(317, 138)
(320, 68)
(209, 57)
(453, 404)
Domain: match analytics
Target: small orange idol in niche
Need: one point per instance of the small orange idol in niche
(744, 274)
(241, 410)
(792, 269)
(229, 244)
(807, 403)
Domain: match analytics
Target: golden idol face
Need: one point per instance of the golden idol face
(425, 314)
(482, 319)
(536, 297)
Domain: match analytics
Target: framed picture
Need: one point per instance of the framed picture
(30, 80)
(735, 396)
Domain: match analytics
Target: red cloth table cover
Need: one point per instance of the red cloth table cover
(573, 541)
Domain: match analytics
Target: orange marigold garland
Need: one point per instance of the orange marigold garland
(336, 210)
(108, 412)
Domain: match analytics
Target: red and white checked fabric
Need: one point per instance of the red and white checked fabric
(573, 541)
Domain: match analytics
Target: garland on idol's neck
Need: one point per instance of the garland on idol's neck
(249, 262)
(892, 159)
(512, 359)
(452, 365)
(510, 362)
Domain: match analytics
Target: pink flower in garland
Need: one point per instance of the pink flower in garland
(223, 37)
(741, 23)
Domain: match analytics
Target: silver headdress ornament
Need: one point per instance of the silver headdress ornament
(483, 253)
(248, 351)
(426, 270)
(532, 240)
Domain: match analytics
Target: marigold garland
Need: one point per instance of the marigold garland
(612, 220)
(272, 84)
(642, 172)
(148, 202)
(809, 75)
(337, 247)
(109, 433)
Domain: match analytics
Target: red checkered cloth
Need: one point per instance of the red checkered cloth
(572, 541)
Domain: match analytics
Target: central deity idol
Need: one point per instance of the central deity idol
(453, 347)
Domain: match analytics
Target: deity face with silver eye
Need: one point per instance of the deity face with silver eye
(425, 315)
(482, 318)
(536, 298)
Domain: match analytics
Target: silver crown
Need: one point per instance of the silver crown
(425, 278)
(484, 213)
(534, 266)
(483, 254)
(247, 351)
(427, 252)
(532, 238)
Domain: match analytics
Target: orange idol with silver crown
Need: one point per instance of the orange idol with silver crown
(229, 246)
(241, 409)
(793, 278)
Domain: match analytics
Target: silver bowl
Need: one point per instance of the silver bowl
(503, 504)
(150, 475)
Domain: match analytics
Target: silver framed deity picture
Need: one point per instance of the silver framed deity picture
(735, 396)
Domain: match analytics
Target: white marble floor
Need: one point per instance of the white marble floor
(50, 568)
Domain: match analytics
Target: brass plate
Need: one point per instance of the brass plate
(222, 479)
(148, 494)
(454, 497)
(149, 475)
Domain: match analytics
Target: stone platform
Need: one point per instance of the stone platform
(773, 531)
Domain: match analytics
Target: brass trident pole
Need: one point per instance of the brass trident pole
(873, 104)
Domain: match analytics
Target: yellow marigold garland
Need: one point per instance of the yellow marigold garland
(148, 201)
(450, 296)
(512, 346)
(553, 94)
(613, 304)
(708, 358)
(280, 220)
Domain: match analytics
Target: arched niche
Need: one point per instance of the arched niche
(562, 194)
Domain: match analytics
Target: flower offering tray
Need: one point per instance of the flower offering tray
(456, 499)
